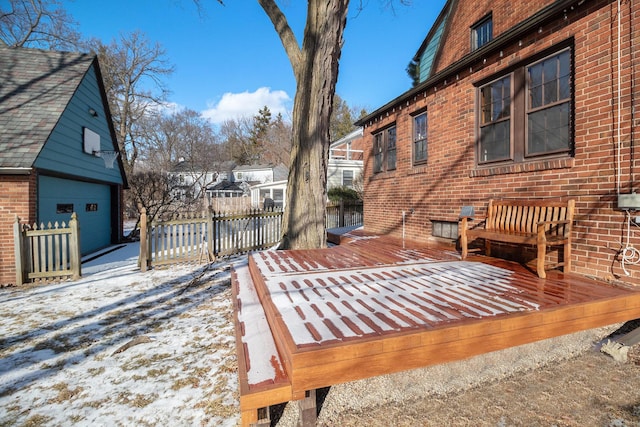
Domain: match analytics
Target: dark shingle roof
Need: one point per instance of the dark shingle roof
(35, 88)
(225, 186)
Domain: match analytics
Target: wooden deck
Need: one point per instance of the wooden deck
(311, 319)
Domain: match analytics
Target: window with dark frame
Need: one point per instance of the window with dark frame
(482, 32)
(384, 150)
(378, 151)
(526, 114)
(495, 120)
(548, 104)
(391, 148)
(420, 138)
(64, 208)
(347, 178)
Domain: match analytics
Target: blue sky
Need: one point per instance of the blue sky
(230, 62)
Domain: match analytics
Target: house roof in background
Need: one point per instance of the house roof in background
(35, 88)
(226, 185)
(243, 168)
(355, 134)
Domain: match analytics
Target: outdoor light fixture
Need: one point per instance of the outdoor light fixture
(93, 112)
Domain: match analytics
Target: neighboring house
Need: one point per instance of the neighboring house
(54, 126)
(275, 191)
(531, 99)
(225, 189)
(345, 160)
(343, 169)
(259, 174)
(191, 182)
(230, 181)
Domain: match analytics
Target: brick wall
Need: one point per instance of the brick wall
(17, 198)
(452, 179)
(505, 15)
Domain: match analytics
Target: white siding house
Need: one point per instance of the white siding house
(345, 160)
(344, 168)
(276, 191)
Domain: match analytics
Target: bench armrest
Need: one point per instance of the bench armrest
(464, 220)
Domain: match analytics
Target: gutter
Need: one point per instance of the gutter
(505, 39)
(15, 171)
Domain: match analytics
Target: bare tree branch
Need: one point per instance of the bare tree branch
(38, 23)
(285, 32)
(133, 70)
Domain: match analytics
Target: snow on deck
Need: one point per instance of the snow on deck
(322, 306)
(266, 366)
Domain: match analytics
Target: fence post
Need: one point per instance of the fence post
(143, 240)
(18, 251)
(341, 214)
(74, 247)
(210, 236)
(260, 228)
(214, 236)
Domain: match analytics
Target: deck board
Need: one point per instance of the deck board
(370, 307)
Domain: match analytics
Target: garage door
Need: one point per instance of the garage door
(58, 198)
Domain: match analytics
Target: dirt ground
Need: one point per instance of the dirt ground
(591, 389)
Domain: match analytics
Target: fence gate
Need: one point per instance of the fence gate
(47, 252)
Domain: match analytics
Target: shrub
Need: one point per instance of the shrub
(336, 194)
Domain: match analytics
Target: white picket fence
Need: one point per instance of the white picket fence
(203, 237)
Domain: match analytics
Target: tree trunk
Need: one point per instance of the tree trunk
(316, 70)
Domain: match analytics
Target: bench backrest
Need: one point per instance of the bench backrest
(524, 215)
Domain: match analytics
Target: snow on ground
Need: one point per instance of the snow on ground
(60, 362)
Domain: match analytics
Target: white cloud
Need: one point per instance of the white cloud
(247, 104)
(167, 108)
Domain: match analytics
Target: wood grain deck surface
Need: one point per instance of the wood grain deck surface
(371, 306)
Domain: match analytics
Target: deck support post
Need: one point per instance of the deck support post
(307, 407)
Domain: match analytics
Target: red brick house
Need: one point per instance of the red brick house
(512, 99)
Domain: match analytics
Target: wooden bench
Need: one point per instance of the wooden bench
(539, 223)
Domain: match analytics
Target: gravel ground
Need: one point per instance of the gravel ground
(565, 381)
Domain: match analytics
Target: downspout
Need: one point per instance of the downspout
(618, 124)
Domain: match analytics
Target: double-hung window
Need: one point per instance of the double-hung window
(347, 178)
(420, 138)
(495, 120)
(526, 114)
(384, 150)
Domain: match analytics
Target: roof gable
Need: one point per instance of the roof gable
(455, 55)
(455, 43)
(428, 51)
(35, 88)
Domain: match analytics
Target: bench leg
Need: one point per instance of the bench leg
(487, 247)
(462, 226)
(542, 252)
(307, 408)
(463, 245)
(567, 257)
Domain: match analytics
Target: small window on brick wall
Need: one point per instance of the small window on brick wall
(482, 32)
(384, 150)
(444, 229)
